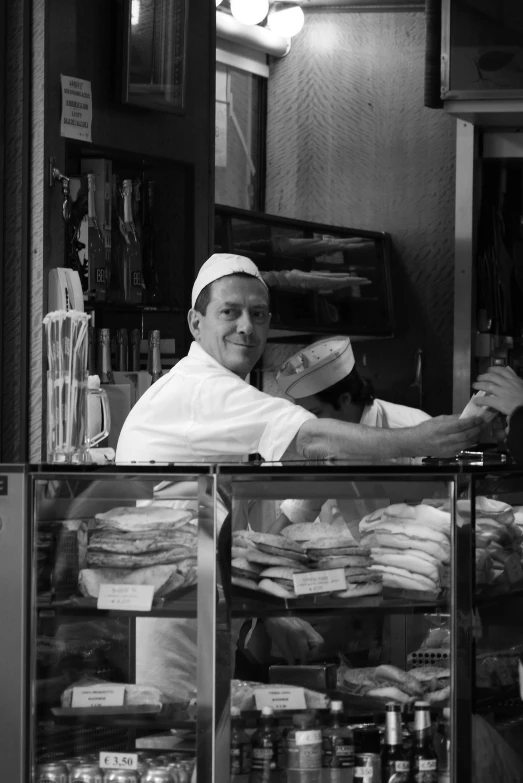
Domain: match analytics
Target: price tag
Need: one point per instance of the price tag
(109, 760)
(98, 696)
(320, 581)
(513, 568)
(312, 737)
(280, 698)
(127, 598)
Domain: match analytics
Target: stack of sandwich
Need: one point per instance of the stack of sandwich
(326, 553)
(268, 563)
(261, 561)
(409, 545)
(388, 683)
(148, 545)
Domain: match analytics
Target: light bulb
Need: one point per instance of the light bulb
(249, 11)
(285, 19)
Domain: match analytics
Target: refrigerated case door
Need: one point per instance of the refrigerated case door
(383, 623)
(123, 589)
(14, 541)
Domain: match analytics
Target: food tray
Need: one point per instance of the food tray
(82, 712)
(243, 596)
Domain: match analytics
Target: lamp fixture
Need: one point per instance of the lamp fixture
(218, 3)
(250, 11)
(285, 19)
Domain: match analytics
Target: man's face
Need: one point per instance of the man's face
(235, 327)
(324, 410)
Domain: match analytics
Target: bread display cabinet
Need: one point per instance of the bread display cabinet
(146, 602)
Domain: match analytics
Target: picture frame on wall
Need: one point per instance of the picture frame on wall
(154, 54)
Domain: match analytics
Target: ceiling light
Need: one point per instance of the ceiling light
(250, 11)
(218, 3)
(285, 19)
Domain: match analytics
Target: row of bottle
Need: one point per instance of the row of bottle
(126, 353)
(111, 236)
(308, 753)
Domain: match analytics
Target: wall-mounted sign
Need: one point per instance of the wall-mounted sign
(77, 108)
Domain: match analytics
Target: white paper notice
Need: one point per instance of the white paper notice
(110, 760)
(98, 696)
(320, 581)
(280, 698)
(77, 108)
(127, 598)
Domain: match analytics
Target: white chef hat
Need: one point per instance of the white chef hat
(221, 265)
(316, 367)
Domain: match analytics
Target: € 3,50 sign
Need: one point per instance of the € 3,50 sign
(109, 760)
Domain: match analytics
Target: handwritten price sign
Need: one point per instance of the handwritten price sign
(118, 760)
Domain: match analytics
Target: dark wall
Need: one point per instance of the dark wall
(350, 143)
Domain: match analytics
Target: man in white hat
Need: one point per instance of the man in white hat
(324, 380)
(203, 410)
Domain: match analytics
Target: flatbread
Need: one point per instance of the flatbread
(132, 518)
(128, 545)
(241, 581)
(334, 543)
(359, 590)
(273, 550)
(255, 556)
(96, 559)
(309, 531)
(341, 562)
(280, 542)
(268, 586)
(160, 577)
(321, 554)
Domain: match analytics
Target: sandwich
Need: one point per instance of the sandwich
(416, 561)
(311, 531)
(401, 579)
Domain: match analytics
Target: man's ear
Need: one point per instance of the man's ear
(194, 319)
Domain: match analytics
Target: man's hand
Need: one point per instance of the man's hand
(503, 390)
(445, 436)
(294, 638)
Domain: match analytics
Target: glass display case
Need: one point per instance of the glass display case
(323, 279)
(149, 604)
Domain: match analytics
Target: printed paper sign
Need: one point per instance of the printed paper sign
(118, 760)
(77, 108)
(127, 598)
(98, 696)
(280, 698)
(320, 581)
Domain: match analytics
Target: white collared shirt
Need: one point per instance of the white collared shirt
(202, 412)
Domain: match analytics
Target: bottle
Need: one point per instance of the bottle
(97, 273)
(304, 750)
(241, 748)
(91, 351)
(153, 294)
(123, 345)
(105, 370)
(395, 764)
(338, 747)
(424, 761)
(131, 252)
(116, 282)
(265, 750)
(136, 336)
(154, 361)
(443, 749)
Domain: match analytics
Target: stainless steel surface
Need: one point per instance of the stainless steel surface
(464, 279)
(14, 534)
(207, 739)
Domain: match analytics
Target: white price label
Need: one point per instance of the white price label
(280, 698)
(109, 760)
(311, 737)
(127, 598)
(98, 696)
(427, 765)
(320, 581)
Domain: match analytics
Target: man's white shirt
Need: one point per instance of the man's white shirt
(202, 412)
